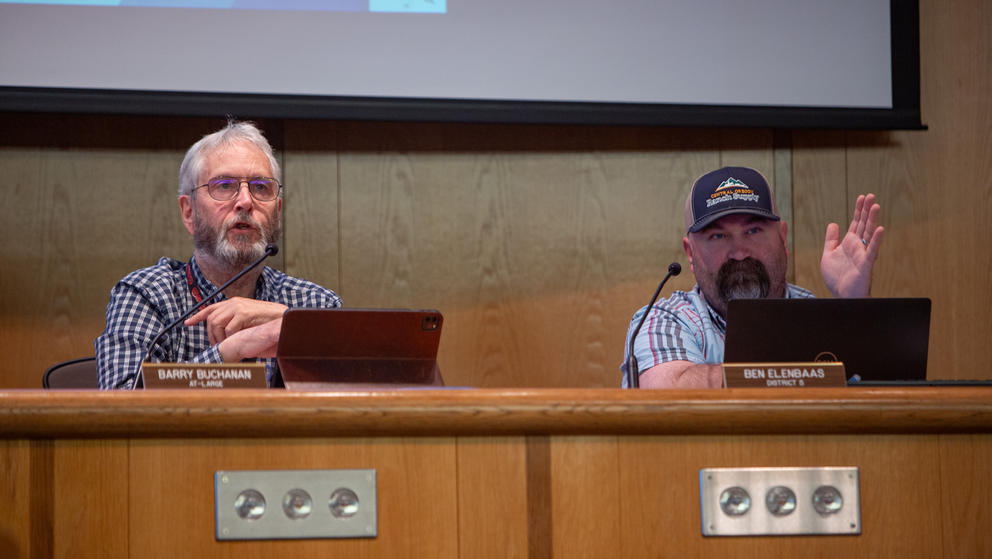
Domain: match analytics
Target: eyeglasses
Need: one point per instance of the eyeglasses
(261, 189)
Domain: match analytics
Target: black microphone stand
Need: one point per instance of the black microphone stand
(271, 249)
(633, 376)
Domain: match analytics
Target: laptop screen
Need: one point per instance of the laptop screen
(359, 348)
(877, 339)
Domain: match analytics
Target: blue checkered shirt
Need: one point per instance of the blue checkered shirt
(147, 300)
(683, 327)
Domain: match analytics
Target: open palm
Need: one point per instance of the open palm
(847, 263)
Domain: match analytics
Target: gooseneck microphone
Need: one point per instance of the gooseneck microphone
(271, 249)
(633, 376)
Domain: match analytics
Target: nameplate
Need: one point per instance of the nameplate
(791, 375)
(203, 375)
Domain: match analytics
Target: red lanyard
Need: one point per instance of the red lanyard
(192, 286)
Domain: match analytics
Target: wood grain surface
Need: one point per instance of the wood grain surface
(499, 488)
(196, 413)
(537, 242)
(87, 472)
(895, 472)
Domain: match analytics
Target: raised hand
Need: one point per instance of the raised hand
(847, 263)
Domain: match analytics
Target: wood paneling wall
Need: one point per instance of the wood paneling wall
(536, 242)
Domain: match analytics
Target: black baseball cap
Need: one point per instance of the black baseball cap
(726, 191)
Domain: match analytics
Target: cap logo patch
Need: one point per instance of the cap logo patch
(731, 182)
(730, 190)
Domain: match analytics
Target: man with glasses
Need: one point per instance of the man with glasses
(230, 200)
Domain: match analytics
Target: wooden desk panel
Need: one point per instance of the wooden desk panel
(25, 494)
(659, 478)
(488, 473)
(589, 508)
(91, 498)
(492, 497)
(966, 490)
(172, 494)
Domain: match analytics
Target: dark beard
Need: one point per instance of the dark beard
(743, 279)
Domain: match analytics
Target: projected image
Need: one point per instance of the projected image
(397, 6)
(765, 62)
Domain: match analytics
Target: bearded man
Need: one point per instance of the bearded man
(736, 247)
(230, 200)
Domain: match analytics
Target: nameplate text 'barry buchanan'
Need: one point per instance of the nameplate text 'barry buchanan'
(203, 375)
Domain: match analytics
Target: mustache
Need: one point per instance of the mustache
(242, 217)
(743, 279)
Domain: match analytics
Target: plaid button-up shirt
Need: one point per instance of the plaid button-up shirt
(147, 300)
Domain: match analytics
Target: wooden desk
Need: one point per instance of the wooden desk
(491, 473)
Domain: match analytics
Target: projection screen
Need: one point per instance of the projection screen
(774, 63)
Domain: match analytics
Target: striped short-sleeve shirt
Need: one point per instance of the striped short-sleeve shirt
(683, 327)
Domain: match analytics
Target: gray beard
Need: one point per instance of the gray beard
(233, 255)
(241, 255)
(743, 279)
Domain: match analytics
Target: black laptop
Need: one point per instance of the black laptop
(879, 340)
(333, 349)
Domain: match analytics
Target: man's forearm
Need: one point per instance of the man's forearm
(682, 374)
